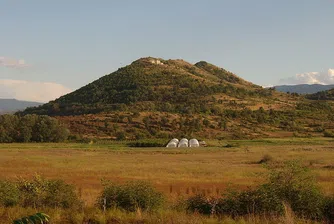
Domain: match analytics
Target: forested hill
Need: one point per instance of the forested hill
(156, 98)
(303, 88)
(323, 95)
(166, 85)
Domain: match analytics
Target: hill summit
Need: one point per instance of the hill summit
(168, 84)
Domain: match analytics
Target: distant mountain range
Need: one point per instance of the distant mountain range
(13, 105)
(303, 88)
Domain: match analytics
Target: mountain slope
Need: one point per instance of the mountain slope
(12, 105)
(174, 82)
(303, 88)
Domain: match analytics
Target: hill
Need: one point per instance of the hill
(303, 88)
(169, 85)
(323, 95)
(159, 98)
(13, 105)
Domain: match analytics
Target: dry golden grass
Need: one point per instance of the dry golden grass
(60, 216)
(173, 171)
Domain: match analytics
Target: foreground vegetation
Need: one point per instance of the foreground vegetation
(290, 191)
(225, 183)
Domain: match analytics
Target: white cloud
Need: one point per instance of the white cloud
(323, 78)
(31, 91)
(267, 86)
(13, 63)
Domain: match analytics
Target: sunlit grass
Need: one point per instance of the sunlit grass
(205, 169)
(60, 216)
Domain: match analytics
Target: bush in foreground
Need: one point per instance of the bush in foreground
(131, 196)
(289, 183)
(9, 194)
(295, 184)
(38, 192)
(329, 208)
(38, 218)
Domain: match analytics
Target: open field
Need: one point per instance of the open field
(175, 172)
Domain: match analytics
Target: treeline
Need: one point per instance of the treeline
(31, 128)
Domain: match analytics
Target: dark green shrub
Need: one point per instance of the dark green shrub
(266, 159)
(329, 209)
(200, 204)
(131, 196)
(328, 134)
(295, 184)
(147, 144)
(259, 201)
(37, 218)
(40, 192)
(229, 146)
(9, 194)
(120, 135)
(60, 194)
(289, 182)
(139, 135)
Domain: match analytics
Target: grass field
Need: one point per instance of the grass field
(175, 172)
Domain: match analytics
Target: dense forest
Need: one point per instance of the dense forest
(31, 128)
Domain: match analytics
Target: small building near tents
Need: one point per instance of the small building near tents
(202, 144)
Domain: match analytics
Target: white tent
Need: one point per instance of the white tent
(173, 143)
(175, 140)
(183, 143)
(193, 143)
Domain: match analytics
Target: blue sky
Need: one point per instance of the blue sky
(71, 43)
